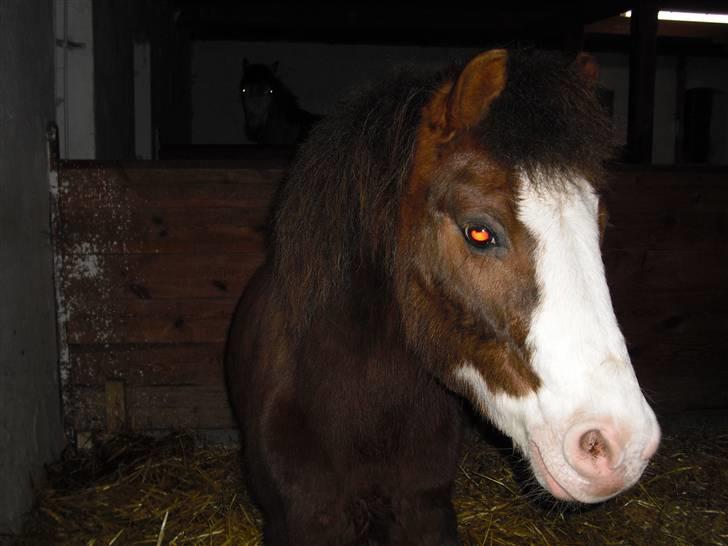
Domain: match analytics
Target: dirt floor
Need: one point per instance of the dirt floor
(176, 490)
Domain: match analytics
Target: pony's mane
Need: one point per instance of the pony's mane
(548, 122)
(337, 210)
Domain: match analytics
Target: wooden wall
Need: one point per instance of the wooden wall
(666, 254)
(151, 259)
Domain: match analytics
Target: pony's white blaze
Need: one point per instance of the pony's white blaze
(588, 431)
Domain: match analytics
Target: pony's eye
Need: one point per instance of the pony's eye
(244, 90)
(479, 236)
(270, 91)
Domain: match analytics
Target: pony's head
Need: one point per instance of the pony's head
(258, 89)
(465, 210)
(499, 271)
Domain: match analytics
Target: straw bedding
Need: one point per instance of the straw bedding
(178, 490)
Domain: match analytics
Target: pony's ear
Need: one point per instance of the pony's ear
(588, 67)
(274, 66)
(479, 83)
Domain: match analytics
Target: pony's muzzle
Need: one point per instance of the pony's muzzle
(603, 455)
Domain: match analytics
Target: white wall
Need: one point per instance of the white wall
(320, 74)
(700, 72)
(614, 75)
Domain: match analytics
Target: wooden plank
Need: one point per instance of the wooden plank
(638, 191)
(664, 230)
(150, 173)
(90, 189)
(115, 406)
(678, 342)
(675, 270)
(675, 376)
(101, 277)
(147, 364)
(686, 270)
(658, 210)
(623, 267)
(211, 173)
(149, 321)
(156, 408)
(174, 231)
(180, 407)
(644, 310)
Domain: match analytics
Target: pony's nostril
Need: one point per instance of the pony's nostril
(594, 451)
(594, 444)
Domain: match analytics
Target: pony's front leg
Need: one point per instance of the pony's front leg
(313, 520)
(312, 508)
(426, 519)
(306, 523)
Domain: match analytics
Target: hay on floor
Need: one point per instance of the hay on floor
(137, 490)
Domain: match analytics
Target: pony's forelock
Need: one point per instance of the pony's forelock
(547, 122)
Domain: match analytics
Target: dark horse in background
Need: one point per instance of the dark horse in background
(272, 114)
(437, 240)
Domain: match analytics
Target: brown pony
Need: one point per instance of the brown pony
(437, 240)
(272, 114)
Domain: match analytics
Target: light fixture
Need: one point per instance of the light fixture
(689, 17)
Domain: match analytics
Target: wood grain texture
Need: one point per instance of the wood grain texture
(161, 276)
(153, 261)
(156, 408)
(147, 364)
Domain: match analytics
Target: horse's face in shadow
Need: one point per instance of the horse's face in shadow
(258, 88)
(503, 293)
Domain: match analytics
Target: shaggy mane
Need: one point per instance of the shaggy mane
(548, 121)
(337, 210)
(338, 207)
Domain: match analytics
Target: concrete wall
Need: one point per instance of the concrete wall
(74, 59)
(30, 420)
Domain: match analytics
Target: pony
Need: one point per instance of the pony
(272, 114)
(436, 243)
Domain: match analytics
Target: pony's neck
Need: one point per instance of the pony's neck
(279, 128)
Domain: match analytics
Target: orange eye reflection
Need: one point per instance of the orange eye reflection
(479, 236)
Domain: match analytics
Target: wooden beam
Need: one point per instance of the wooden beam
(115, 406)
(680, 109)
(642, 67)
